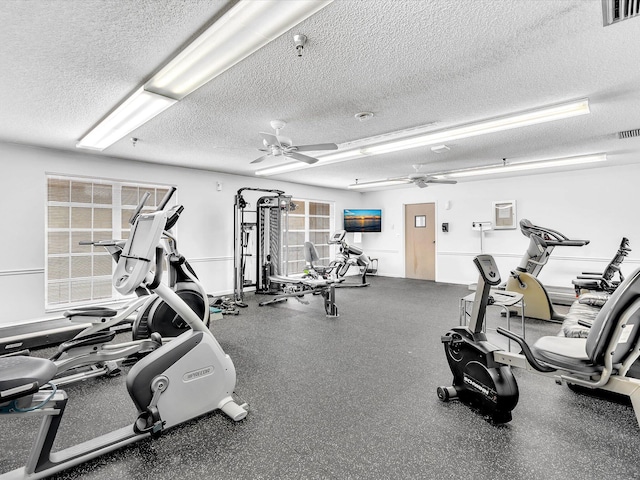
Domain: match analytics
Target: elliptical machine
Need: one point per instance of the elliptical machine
(524, 279)
(90, 354)
(177, 382)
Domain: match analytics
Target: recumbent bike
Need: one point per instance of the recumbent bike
(482, 376)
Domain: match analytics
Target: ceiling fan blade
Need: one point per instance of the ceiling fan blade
(301, 157)
(260, 159)
(271, 139)
(313, 148)
(422, 183)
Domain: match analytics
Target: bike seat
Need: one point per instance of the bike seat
(565, 353)
(21, 376)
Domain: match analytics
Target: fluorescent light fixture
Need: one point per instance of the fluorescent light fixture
(244, 29)
(440, 137)
(379, 183)
(517, 120)
(136, 110)
(518, 167)
(322, 160)
(492, 170)
(287, 167)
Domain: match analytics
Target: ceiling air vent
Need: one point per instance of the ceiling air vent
(614, 11)
(629, 133)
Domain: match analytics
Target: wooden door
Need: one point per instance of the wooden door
(420, 241)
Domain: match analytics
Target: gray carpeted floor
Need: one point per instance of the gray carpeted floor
(353, 397)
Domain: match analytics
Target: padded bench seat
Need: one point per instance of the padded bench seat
(568, 354)
(584, 310)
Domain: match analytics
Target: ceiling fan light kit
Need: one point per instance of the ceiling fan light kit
(241, 31)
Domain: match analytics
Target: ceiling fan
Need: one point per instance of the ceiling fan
(280, 146)
(423, 180)
(418, 178)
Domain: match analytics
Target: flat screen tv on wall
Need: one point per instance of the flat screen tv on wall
(363, 220)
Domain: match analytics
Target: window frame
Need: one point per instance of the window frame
(97, 288)
(296, 265)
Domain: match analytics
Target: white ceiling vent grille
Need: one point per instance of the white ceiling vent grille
(614, 11)
(629, 133)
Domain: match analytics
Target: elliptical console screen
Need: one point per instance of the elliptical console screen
(138, 253)
(338, 236)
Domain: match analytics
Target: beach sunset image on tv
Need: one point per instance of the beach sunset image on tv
(361, 220)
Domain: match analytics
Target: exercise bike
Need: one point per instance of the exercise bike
(177, 382)
(524, 279)
(90, 354)
(482, 376)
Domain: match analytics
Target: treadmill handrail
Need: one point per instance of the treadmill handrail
(558, 239)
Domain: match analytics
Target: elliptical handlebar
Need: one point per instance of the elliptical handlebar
(145, 197)
(139, 208)
(166, 198)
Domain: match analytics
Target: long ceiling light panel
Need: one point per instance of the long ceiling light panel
(517, 120)
(244, 29)
(522, 166)
(491, 170)
(377, 183)
(136, 110)
(542, 115)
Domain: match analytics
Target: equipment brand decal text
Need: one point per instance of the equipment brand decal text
(196, 374)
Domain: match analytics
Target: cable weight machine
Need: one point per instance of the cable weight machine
(270, 221)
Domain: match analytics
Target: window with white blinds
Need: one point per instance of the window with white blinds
(310, 222)
(87, 209)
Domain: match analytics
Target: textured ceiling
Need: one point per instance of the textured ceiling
(65, 64)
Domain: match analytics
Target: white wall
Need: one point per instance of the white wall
(205, 231)
(598, 204)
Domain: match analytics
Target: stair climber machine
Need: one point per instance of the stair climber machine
(482, 376)
(177, 382)
(91, 354)
(524, 279)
